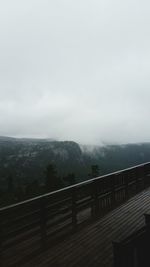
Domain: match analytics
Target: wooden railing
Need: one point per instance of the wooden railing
(134, 249)
(38, 222)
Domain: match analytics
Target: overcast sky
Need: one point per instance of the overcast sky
(75, 70)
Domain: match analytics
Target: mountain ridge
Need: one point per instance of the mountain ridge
(26, 158)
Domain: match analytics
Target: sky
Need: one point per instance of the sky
(75, 70)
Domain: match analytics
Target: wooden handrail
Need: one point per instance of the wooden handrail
(87, 182)
(54, 214)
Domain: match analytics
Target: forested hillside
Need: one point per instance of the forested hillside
(24, 163)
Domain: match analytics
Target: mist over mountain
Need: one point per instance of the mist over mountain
(26, 159)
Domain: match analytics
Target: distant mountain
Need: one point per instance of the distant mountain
(116, 157)
(26, 159)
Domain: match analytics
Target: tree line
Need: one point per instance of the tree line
(53, 182)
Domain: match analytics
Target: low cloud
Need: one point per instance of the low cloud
(75, 70)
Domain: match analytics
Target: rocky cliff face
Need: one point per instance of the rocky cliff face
(26, 159)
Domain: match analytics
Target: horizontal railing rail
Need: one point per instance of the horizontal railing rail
(36, 223)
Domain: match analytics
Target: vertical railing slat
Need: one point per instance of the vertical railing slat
(43, 222)
(113, 191)
(104, 190)
(1, 240)
(74, 209)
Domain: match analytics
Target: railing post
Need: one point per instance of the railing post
(137, 179)
(74, 210)
(123, 255)
(2, 237)
(95, 206)
(113, 191)
(146, 174)
(147, 219)
(126, 186)
(43, 222)
(1, 242)
(142, 174)
(118, 254)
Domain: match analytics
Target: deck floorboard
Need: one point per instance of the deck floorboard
(92, 246)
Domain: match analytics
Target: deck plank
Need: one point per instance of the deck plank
(92, 246)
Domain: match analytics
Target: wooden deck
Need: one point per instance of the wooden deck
(92, 246)
(75, 226)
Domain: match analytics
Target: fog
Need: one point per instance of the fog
(75, 70)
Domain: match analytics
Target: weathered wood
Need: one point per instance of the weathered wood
(74, 210)
(53, 212)
(133, 250)
(118, 254)
(91, 246)
(43, 222)
(95, 202)
(147, 219)
(112, 191)
(1, 243)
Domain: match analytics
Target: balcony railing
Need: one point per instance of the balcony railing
(134, 249)
(38, 222)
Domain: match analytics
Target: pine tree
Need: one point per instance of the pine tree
(53, 181)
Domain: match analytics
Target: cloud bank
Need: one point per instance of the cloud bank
(75, 70)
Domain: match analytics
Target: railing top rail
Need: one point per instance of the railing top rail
(72, 187)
